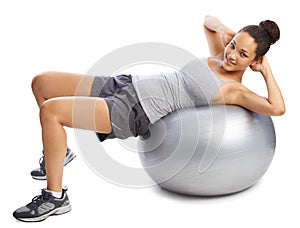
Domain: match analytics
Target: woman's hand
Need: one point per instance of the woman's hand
(217, 34)
(262, 66)
(226, 36)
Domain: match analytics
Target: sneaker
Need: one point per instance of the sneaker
(42, 206)
(40, 173)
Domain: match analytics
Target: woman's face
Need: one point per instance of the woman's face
(239, 53)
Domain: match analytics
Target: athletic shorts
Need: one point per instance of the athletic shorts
(127, 116)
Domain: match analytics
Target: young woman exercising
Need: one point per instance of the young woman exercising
(122, 106)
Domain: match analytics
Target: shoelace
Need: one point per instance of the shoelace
(37, 200)
(42, 162)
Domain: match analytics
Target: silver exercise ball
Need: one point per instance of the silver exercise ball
(208, 150)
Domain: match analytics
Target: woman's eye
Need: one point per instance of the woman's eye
(243, 54)
(231, 45)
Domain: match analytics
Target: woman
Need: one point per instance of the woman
(125, 105)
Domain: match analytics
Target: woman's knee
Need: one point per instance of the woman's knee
(48, 111)
(39, 81)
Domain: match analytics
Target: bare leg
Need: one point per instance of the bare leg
(49, 85)
(58, 84)
(76, 112)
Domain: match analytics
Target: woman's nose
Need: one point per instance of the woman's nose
(232, 55)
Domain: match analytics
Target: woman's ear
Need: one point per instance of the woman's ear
(253, 63)
(256, 62)
(256, 65)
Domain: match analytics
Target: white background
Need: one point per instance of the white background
(71, 36)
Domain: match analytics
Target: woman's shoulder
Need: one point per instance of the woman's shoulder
(234, 86)
(228, 93)
(202, 61)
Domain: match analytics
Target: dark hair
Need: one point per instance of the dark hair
(265, 34)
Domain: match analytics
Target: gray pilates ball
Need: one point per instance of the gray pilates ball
(208, 150)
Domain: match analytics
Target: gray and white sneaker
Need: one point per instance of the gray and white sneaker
(43, 206)
(40, 173)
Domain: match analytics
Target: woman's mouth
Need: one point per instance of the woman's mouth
(228, 62)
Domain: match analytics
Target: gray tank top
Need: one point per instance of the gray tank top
(193, 85)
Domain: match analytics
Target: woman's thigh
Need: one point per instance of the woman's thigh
(58, 84)
(88, 113)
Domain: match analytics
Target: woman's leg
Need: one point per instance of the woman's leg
(49, 85)
(58, 84)
(76, 112)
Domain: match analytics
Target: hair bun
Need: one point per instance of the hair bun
(272, 28)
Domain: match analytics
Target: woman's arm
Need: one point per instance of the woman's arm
(273, 105)
(217, 34)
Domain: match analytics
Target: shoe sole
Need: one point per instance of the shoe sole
(45, 178)
(70, 159)
(57, 211)
(39, 177)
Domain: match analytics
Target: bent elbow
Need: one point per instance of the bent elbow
(278, 111)
(206, 18)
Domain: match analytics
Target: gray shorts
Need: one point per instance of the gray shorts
(127, 116)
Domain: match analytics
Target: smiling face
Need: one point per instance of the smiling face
(240, 52)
